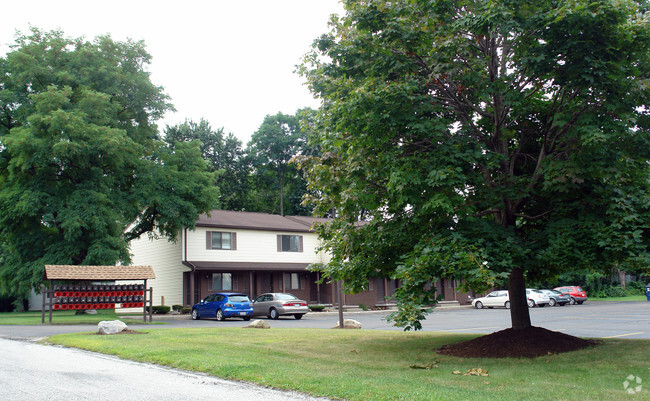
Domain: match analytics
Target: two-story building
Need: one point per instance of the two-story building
(253, 253)
(245, 252)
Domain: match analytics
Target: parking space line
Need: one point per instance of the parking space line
(624, 335)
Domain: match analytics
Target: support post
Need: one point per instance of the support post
(144, 304)
(150, 304)
(340, 292)
(43, 307)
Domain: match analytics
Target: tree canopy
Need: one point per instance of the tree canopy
(277, 186)
(82, 167)
(500, 142)
(225, 156)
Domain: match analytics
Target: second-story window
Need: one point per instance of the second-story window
(289, 243)
(221, 240)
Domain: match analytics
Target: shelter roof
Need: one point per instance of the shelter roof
(79, 272)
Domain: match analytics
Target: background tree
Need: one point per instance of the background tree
(495, 141)
(80, 157)
(225, 156)
(277, 185)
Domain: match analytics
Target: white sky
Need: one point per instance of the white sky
(229, 62)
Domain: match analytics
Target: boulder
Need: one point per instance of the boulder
(349, 324)
(111, 326)
(258, 324)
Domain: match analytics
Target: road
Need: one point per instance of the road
(34, 372)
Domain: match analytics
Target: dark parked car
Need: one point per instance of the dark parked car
(276, 304)
(556, 297)
(222, 305)
(577, 294)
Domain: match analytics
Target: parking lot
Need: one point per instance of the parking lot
(592, 319)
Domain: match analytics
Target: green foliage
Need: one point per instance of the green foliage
(177, 308)
(276, 184)
(479, 139)
(80, 157)
(224, 155)
(159, 309)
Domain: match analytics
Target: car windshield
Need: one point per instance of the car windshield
(284, 296)
(239, 298)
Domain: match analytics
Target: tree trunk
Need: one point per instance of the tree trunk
(621, 278)
(519, 314)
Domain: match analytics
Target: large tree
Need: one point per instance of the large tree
(495, 141)
(277, 185)
(225, 156)
(81, 158)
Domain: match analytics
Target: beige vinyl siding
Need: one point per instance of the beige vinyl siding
(252, 246)
(166, 259)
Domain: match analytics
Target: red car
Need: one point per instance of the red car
(577, 294)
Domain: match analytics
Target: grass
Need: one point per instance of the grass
(64, 317)
(626, 298)
(378, 365)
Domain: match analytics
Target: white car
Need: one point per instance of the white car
(536, 298)
(495, 298)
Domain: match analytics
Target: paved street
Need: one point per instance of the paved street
(34, 372)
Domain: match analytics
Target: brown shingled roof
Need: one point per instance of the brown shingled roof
(76, 272)
(256, 221)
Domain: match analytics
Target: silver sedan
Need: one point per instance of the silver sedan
(276, 304)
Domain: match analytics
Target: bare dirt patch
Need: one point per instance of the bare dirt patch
(528, 343)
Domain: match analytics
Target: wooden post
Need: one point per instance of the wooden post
(150, 304)
(43, 307)
(50, 293)
(340, 292)
(144, 303)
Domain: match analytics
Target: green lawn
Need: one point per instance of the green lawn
(378, 365)
(627, 298)
(64, 317)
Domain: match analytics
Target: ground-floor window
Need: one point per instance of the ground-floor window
(221, 282)
(291, 281)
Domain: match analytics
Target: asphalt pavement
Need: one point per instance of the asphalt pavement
(591, 319)
(35, 372)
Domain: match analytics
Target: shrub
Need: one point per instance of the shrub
(7, 304)
(177, 308)
(316, 308)
(615, 292)
(160, 309)
(186, 311)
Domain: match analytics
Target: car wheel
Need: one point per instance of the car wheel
(478, 305)
(247, 318)
(273, 313)
(298, 316)
(195, 314)
(572, 301)
(552, 302)
(580, 302)
(220, 316)
(507, 304)
(531, 303)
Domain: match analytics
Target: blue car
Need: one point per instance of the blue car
(222, 305)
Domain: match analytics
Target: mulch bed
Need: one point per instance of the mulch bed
(528, 343)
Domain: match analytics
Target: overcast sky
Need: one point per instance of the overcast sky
(230, 62)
